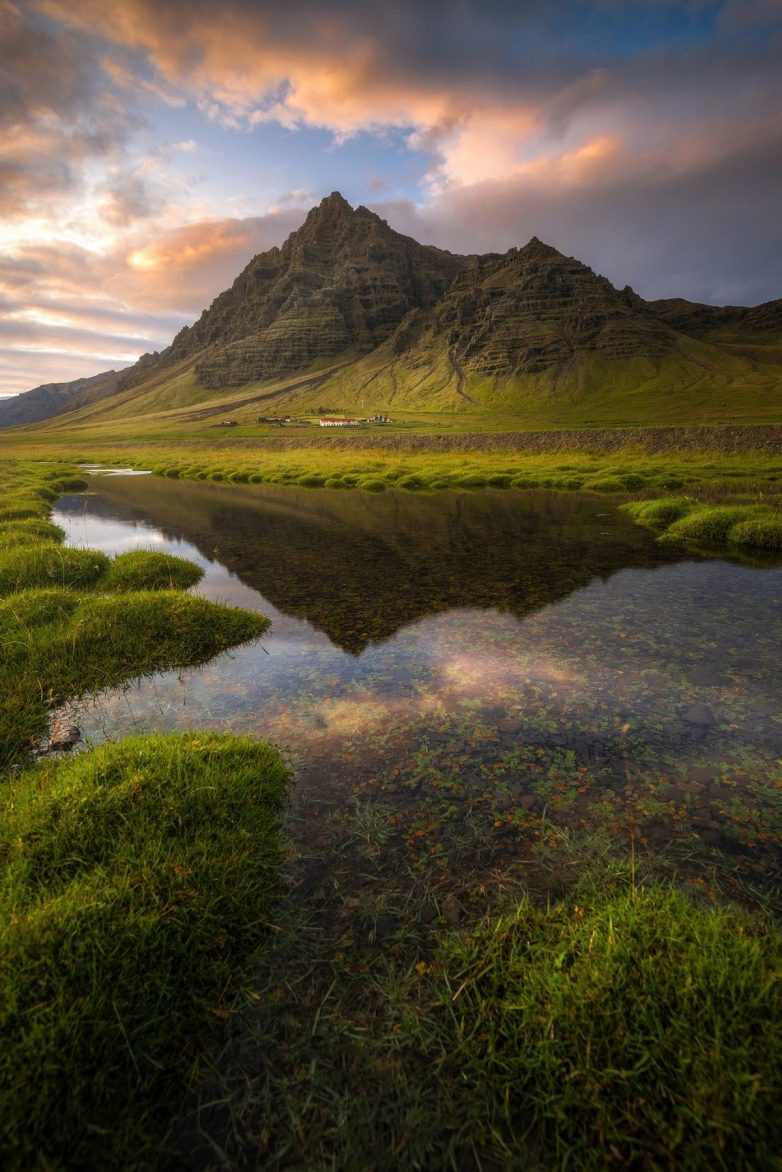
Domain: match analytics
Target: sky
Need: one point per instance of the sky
(150, 148)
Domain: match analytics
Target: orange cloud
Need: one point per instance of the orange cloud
(184, 269)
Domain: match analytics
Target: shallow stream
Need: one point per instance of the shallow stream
(469, 674)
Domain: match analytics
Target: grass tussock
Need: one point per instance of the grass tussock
(682, 519)
(150, 569)
(661, 512)
(134, 886)
(29, 532)
(47, 564)
(629, 1028)
(763, 533)
(73, 621)
(706, 525)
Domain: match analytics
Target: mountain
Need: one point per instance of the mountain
(53, 398)
(350, 313)
(342, 282)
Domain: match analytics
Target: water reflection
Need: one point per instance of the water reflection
(359, 567)
(502, 663)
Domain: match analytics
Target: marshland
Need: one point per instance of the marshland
(437, 815)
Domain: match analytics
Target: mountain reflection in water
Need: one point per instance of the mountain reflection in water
(359, 566)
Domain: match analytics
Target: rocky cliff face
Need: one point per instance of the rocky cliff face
(533, 308)
(342, 282)
(690, 317)
(346, 283)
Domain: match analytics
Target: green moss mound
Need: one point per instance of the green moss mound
(28, 609)
(134, 887)
(29, 532)
(150, 569)
(707, 524)
(758, 533)
(659, 512)
(605, 484)
(634, 1028)
(472, 480)
(411, 482)
(48, 564)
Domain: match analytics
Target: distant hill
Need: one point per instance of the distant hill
(53, 398)
(349, 314)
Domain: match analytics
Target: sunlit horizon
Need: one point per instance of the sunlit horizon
(150, 151)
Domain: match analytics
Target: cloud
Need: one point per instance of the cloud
(68, 311)
(643, 139)
(487, 90)
(184, 269)
(709, 232)
(55, 115)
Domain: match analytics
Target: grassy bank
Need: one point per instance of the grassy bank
(429, 466)
(134, 886)
(134, 879)
(751, 481)
(73, 620)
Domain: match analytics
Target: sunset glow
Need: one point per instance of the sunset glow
(149, 151)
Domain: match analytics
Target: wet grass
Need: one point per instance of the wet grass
(587, 1016)
(134, 886)
(627, 1028)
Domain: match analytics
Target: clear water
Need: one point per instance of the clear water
(478, 671)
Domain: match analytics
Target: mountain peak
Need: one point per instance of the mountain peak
(333, 206)
(336, 200)
(537, 247)
(342, 281)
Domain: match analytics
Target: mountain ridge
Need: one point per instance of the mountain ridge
(392, 322)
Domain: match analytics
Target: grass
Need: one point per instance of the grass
(751, 526)
(632, 1028)
(29, 532)
(134, 887)
(58, 645)
(74, 621)
(759, 532)
(374, 1025)
(150, 569)
(47, 564)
